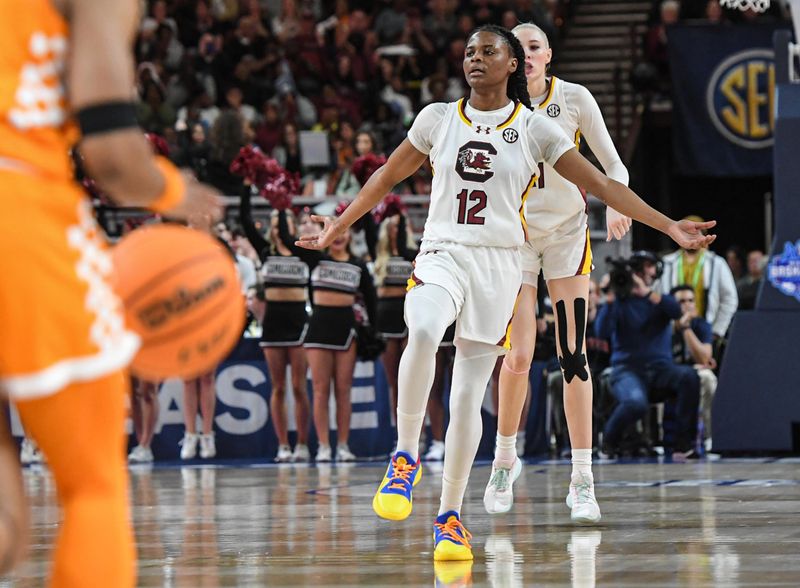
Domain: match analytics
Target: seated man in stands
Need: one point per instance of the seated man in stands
(637, 319)
(692, 345)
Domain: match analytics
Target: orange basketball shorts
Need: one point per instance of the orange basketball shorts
(60, 321)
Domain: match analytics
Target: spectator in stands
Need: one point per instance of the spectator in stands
(735, 257)
(713, 13)
(711, 278)
(233, 103)
(286, 26)
(440, 23)
(692, 345)
(158, 16)
(197, 151)
(390, 22)
(153, 111)
(197, 25)
(244, 265)
(208, 63)
(343, 182)
(227, 137)
(294, 107)
(655, 45)
(747, 287)
(287, 152)
(638, 324)
(269, 130)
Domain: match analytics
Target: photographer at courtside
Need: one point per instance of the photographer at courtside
(637, 319)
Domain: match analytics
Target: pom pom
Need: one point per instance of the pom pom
(341, 207)
(390, 206)
(272, 181)
(366, 165)
(158, 144)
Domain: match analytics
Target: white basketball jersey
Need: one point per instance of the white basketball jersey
(485, 165)
(557, 202)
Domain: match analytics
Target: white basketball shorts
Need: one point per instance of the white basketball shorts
(483, 281)
(566, 252)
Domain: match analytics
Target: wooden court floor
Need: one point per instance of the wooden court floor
(725, 523)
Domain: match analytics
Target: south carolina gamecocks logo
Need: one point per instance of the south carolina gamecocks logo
(474, 162)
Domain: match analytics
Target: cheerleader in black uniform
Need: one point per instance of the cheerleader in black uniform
(393, 267)
(337, 277)
(285, 323)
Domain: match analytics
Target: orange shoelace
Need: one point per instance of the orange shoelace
(401, 471)
(451, 529)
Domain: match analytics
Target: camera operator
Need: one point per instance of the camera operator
(637, 319)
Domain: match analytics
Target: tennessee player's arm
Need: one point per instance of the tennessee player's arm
(101, 84)
(13, 512)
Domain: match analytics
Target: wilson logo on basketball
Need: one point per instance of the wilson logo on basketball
(182, 301)
(740, 98)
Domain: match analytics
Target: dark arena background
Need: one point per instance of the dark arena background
(702, 102)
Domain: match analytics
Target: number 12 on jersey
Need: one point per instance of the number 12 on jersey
(468, 215)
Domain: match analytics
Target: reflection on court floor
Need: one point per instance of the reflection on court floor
(726, 523)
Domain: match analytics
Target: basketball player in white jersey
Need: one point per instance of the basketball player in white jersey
(558, 244)
(485, 153)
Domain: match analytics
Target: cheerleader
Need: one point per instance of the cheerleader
(285, 324)
(393, 267)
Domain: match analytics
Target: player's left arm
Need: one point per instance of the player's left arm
(576, 168)
(593, 128)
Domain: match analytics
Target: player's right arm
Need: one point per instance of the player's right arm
(404, 161)
(100, 78)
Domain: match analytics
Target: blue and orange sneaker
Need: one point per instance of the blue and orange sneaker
(393, 499)
(451, 538)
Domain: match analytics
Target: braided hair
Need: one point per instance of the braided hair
(517, 88)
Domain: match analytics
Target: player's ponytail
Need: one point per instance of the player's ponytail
(517, 88)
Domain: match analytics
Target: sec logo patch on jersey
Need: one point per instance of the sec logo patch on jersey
(553, 110)
(510, 135)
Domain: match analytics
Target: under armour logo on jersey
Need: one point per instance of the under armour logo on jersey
(510, 136)
(553, 110)
(481, 129)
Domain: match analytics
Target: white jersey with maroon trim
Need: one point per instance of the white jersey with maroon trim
(485, 164)
(556, 201)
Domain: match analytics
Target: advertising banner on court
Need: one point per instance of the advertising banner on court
(243, 421)
(723, 81)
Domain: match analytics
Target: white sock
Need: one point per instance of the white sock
(408, 427)
(582, 462)
(452, 495)
(505, 451)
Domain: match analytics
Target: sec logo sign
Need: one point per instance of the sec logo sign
(740, 98)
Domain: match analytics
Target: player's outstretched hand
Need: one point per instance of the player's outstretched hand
(617, 224)
(323, 238)
(689, 234)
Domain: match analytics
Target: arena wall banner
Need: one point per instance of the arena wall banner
(243, 423)
(723, 82)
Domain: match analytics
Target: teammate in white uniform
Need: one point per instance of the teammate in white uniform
(485, 154)
(559, 246)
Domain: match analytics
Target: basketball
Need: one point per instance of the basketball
(182, 296)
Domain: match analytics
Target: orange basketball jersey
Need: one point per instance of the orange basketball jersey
(34, 127)
(62, 323)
